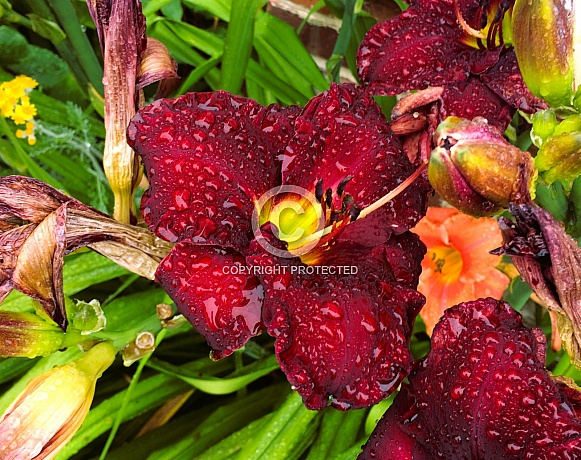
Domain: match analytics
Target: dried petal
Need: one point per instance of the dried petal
(483, 392)
(209, 157)
(214, 290)
(38, 272)
(549, 260)
(156, 64)
(31, 255)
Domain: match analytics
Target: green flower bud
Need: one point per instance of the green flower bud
(474, 169)
(543, 37)
(28, 335)
(560, 157)
(544, 123)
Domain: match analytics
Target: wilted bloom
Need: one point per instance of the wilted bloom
(481, 393)
(544, 40)
(549, 260)
(340, 333)
(457, 266)
(475, 169)
(121, 29)
(429, 45)
(52, 407)
(39, 225)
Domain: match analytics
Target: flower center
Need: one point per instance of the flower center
(446, 263)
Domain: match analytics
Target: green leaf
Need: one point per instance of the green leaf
(282, 432)
(238, 44)
(218, 8)
(285, 46)
(13, 367)
(214, 385)
(47, 29)
(149, 393)
(342, 43)
(223, 422)
(197, 74)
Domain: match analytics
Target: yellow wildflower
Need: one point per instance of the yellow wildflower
(7, 103)
(15, 104)
(19, 86)
(23, 112)
(27, 133)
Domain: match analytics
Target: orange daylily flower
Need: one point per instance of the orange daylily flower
(457, 266)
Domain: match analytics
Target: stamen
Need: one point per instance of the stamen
(356, 213)
(319, 190)
(329, 197)
(342, 185)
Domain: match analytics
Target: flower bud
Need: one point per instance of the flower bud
(543, 38)
(474, 169)
(28, 335)
(558, 157)
(52, 407)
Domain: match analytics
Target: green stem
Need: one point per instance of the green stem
(64, 47)
(573, 221)
(15, 18)
(83, 50)
(128, 395)
(24, 159)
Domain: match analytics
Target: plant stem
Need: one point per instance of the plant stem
(84, 51)
(128, 395)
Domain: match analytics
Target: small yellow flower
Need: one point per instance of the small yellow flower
(15, 104)
(23, 112)
(19, 86)
(7, 104)
(27, 133)
(52, 407)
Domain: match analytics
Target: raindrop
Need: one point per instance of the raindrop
(457, 392)
(182, 199)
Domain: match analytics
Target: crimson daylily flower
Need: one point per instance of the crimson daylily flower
(427, 46)
(482, 392)
(211, 156)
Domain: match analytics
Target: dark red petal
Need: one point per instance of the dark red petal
(342, 133)
(506, 80)
(214, 292)
(388, 441)
(404, 252)
(420, 48)
(208, 156)
(484, 392)
(339, 336)
(472, 98)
